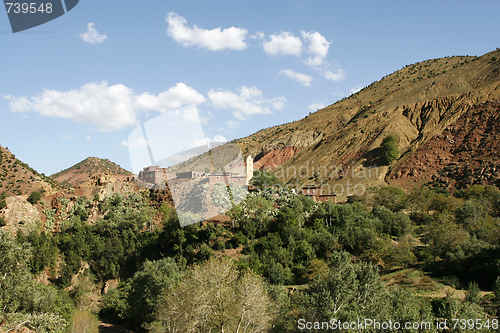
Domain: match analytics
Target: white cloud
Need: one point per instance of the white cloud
(207, 141)
(317, 46)
(356, 89)
(258, 35)
(173, 98)
(215, 40)
(67, 137)
(301, 78)
(137, 143)
(339, 75)
(250, 101)
(286, 43)
(233, 124)
(87, 137)
(106, 107)
(92, 36)
(219, 138)
(316, 106)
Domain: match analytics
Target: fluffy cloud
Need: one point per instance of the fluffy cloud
(170, 99)
(215, 40)
(249, 101)
(337, 76)
(301, 78)
(106, 107)
(316, 106)
(283, 44)
(92, 36)
(88, 137)
(317, 46)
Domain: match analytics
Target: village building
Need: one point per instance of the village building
(189, 175)
(315, 192)
(155, 175)
(227, 177)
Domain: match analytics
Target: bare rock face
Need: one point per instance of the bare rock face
(19, 213)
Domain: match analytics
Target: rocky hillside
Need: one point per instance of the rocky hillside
(88, 168)
(337, 144)
(18, 178)
(466, 153)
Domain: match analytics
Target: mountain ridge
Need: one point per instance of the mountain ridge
(18, 178)
(88, 168)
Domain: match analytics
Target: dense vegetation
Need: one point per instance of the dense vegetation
(293, 261)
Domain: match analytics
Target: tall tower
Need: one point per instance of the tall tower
(249, 168)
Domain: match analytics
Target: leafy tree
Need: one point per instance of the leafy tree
(22, 300)
(393, 223)
(262, 178)
(146, 287)
(390, 150)
(34, 197)
(391, 197)
(215, 297)
(348, 291)
(14, 271)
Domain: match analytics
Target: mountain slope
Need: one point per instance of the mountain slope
(339, 145)
(415, 103)
(18, 178)
(87, 169)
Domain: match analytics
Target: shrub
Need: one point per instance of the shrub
(2, 222)
(34, 197)
(390, 150)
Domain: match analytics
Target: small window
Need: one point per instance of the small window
(218, 177)
(307, 191)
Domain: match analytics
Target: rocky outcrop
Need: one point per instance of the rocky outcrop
(101, 180)
(19, 213)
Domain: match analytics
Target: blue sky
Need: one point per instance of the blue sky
(79, 85)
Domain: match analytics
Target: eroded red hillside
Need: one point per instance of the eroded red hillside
(275, 157)
(465, 153)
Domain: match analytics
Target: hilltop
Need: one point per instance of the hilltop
(88, 168)
(417, 103)
(18, 178)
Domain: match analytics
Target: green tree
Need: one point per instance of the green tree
(146, 287)
(390, 150)
(391, 197)
(34, 197)
(261, 179)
